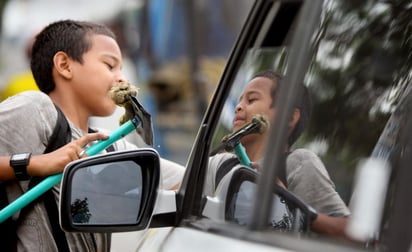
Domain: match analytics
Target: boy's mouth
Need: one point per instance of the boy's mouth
(238, 122)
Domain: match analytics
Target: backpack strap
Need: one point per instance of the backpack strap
(61, 135)
(229, 163)
(282, 173)
(53, 214)
(224, 168)
(8, 236)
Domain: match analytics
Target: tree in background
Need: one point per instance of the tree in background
(363, 62)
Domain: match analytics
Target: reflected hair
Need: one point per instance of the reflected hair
(303, 103)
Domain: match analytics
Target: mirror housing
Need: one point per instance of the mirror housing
(112, 192)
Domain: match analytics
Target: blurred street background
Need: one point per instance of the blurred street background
(174, 51)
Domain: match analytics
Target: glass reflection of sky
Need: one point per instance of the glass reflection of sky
(112, 190)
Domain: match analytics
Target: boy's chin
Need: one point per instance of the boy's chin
(109, 111)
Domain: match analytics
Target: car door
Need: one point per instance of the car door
(320, 44)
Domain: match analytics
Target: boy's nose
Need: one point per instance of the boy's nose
(121, 78)
(238, 107)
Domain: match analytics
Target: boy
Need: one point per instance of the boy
(75, 64)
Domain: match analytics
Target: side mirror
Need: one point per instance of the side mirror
(112, 192)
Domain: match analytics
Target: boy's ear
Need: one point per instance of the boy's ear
(62, 64)
(295, 118)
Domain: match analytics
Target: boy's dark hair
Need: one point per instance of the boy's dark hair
(275, 77)
(71, 37)
(304, 104)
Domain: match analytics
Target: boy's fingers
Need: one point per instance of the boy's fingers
(81, 154)
(84, 140)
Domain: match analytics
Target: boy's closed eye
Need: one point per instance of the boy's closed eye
(109, 65)
(252, 98)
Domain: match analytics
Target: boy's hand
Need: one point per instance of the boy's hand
(54, 162)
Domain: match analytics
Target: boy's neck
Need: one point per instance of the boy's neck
(70, 110)
(254, 150)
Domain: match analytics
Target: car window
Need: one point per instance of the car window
(358, 81)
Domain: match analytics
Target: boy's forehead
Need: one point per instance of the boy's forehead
(259, 84)
(105, 44)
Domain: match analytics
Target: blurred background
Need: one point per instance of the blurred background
(173, 50)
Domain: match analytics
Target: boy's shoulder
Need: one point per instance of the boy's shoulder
(33, 102)
(217, 160)
(30, 96)
(305, 161)
(302, 154)
(35, 95)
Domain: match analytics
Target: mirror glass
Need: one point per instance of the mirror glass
(108, 193)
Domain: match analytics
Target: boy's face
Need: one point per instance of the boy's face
(256, 99)
(100, 70)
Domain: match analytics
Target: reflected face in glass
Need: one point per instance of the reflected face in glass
(255, 99)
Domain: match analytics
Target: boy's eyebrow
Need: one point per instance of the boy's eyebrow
(111, 56)
(249, 93)
(117, 60)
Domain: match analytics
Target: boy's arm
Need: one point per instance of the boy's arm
(50, 163)
(334, 226)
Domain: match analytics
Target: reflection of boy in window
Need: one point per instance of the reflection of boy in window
(305, 173)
